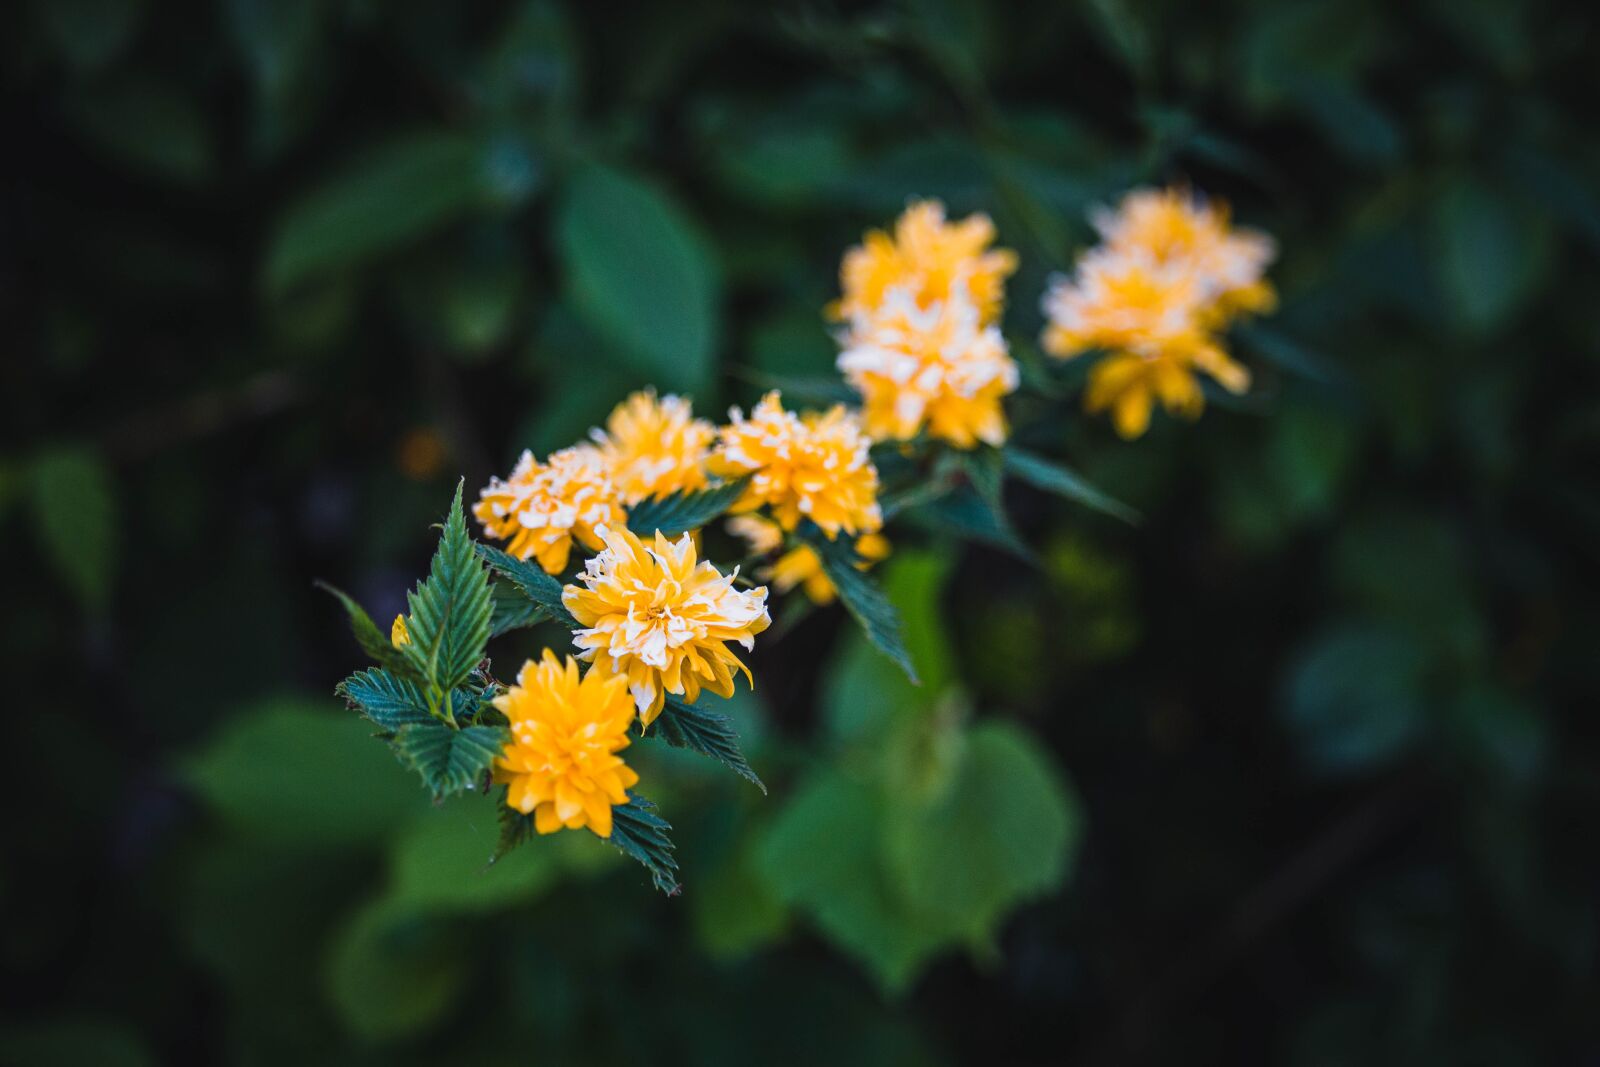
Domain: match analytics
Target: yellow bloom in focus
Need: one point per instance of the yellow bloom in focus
(928, 258)
(817, 467)
(657, 617)
(399, 633)
(542, 507)
(561, 764)
(1175, 228)
(935, 366)
(654, 447)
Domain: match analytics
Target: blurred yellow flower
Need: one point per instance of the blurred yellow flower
(762, 534)
(1174, 227)
(928, 258)
(1168, 274)
(936, 367)
(399, 633)
(654, 447)
(817, 467)
(542, 507)
(656, 617)
(561, 764)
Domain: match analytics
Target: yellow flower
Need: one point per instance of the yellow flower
(1153, 321)
(803, 567)
(654, 447)
(1174, 227)
(659, 619)
(933, 366)
(561, 764)
(541, 508)
(817, 467)
(763, 535)
(399, 633)
(928, 258)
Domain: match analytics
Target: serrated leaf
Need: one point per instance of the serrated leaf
(681, 512)
(385, 698)
(642, 834)
(862, 597)
(967, 514)
(373, 641)
(704, 731)
(539, 587)
(449, 761)
(449, 611)
(510, 609)
(1063, 481)
(639, 270)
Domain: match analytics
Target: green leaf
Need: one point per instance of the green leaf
(640, 273)
(75, 515)
(706, 732)
(449, 760)
(824, 856)
(863, 599)
(1063, 481)
(1354, 699)
(449, 612)
(510, 609)
(373, 641)
(297, 771)
(446, 861)
(391, 972)
(1002, 831)
(394, 194)
(386, 699)
(642, 835)
(150, 127)
(966, 514)
(540, 588)
(680, 512)
(1487, 258)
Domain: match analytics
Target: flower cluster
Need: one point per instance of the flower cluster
(816, 466)
(653, 448)
(921, 345)
(1168, 275)
(543, 507)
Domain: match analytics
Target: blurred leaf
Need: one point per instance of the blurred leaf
(1354, 699)
(641, 835)
(964, 513)
(387, 700)
(914, 581)
(1310, 454)
(75, 516)
(450, 761)
(1487, 260)
(539, 587)
(89, 33)
(863, 599)
(1002, 832)
(280, 42)
(1063, 481)
(149, 126)
(535, 60)
(778, 162)
(391, 973)
(388, 197)
(1289, 354)
(823, 855)
(294, 770)
(1123, 27)
(72, 1041)
(1410, 569)
(704, 731)
(445, 862)
(449, 611)
(683, 511)
(734, 910)
(639, 271)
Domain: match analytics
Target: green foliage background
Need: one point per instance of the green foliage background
(1301, 769)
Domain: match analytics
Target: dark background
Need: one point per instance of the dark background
(273, 275)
